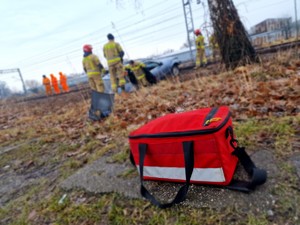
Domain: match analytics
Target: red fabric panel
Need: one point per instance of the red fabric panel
(168, 160)
(180, 122)
(211, 150)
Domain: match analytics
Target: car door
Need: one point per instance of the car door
(165, 67)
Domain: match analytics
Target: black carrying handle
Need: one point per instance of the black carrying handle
(258, 176)
(188, 149)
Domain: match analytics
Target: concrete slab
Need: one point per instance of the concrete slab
(296, 162)
(103, 177)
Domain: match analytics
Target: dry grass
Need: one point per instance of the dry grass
(55, 137)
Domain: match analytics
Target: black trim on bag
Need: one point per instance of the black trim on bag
(188, 152)
(258, 176)
(182, 134)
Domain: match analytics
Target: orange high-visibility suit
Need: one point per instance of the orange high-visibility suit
(63, 82)
(54, 83)
(47, 84)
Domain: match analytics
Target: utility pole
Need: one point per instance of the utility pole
(189, 24)
(296, 19)
(21, 77)
(20, 74)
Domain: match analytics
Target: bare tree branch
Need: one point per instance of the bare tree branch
(121, 3)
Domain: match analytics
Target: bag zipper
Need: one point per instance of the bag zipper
(210, 115)
(182, 134)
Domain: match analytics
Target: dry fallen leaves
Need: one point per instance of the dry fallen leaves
(65, 118)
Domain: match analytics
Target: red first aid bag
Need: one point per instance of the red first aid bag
(192, 147)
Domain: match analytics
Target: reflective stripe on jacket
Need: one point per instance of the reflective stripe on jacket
(200, 42)
(136, 68)
(90, 63)
(122, 81)
(111, 51)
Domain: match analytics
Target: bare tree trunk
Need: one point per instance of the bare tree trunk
(235, 46)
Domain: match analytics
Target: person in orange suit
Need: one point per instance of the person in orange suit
(54, 83)
(63, 82)
(47, 84)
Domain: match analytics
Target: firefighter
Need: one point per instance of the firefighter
(138, 68)
(93, 68)
(54, 84)
(200, 46)
(47, 84)
(214, 46)
(63, 82)
(114, 53)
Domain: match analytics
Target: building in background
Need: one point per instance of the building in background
(271, 31)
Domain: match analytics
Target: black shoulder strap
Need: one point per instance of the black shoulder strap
(258, 176)
(188, 149)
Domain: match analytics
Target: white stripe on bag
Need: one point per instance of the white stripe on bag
(199, 174)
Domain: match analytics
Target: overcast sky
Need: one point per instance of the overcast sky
(43, 37)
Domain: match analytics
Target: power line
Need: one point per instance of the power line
(265, 6)
(135, 40)
(162, 13)
(76, 52)
(170, 36)
(51, 55)
(103, 41)
(92, 33)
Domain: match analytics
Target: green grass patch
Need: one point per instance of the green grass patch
(71, 212)
(26, 152)
(130, 173)
(119, 157)
(102, 151)
(91, 146)
(18, 210)
(260, 76)
(277, 133)
(65, 147)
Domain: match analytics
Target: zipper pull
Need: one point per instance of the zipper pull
(215, 119)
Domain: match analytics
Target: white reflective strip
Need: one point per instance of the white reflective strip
(199, 174)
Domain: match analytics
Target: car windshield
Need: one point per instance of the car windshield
(151, 65)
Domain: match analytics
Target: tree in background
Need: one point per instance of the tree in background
(231, 36)
(4, 90)
(33, 85)
(167, 51)
(186, 44)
